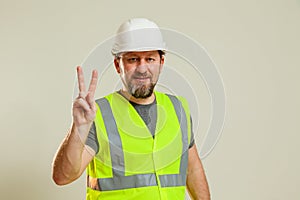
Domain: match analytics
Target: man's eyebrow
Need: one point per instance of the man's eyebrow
(130, 54)
(151, 54)
(135, 54)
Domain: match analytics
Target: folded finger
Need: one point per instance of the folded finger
(83, 104)
(91, 101)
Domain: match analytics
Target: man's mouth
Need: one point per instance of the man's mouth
(141, 78)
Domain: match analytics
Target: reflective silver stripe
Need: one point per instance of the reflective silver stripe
(126, 182)
(119, 180)
(115, 144)
(169, 180)
(181, 115)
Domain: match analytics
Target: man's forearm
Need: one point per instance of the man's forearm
(196, 180)
(197, 185)
(68, 160)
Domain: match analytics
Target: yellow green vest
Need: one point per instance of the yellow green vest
(131, 164)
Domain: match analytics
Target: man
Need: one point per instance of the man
(135, 143)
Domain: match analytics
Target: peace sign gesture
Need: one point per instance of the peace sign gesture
(73, 155)
(84, 108)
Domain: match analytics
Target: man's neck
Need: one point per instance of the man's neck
(142, 101)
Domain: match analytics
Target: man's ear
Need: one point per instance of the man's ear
(162, 61)
(117, 65)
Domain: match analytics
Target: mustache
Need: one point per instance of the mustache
(141, 75)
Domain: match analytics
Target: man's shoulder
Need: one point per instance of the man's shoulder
(177, 100)
(108, 96)
(181, 98)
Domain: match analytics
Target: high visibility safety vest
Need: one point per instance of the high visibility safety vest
(131, 164)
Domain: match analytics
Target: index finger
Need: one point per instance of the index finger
(80, 77)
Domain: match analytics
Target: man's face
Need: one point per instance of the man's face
(139, 72)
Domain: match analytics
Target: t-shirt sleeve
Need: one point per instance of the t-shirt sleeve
(92, 140)
(192, 134)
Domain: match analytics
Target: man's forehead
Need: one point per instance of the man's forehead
(140, 53)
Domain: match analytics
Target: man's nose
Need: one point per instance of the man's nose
(142, 66)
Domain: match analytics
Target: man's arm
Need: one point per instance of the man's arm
(71, 159)
(73, 155)
(196, 181)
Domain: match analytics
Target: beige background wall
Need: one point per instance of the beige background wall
(255, 44)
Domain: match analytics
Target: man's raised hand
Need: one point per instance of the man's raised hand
(73, 155)
(84, 108)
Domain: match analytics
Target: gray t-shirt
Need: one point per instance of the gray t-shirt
(147, 112)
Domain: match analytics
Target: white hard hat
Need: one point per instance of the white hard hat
(138, 34)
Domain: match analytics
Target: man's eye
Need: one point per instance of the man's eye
(132, 59)
(150, 59)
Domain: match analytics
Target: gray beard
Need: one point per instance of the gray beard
(141, 91)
